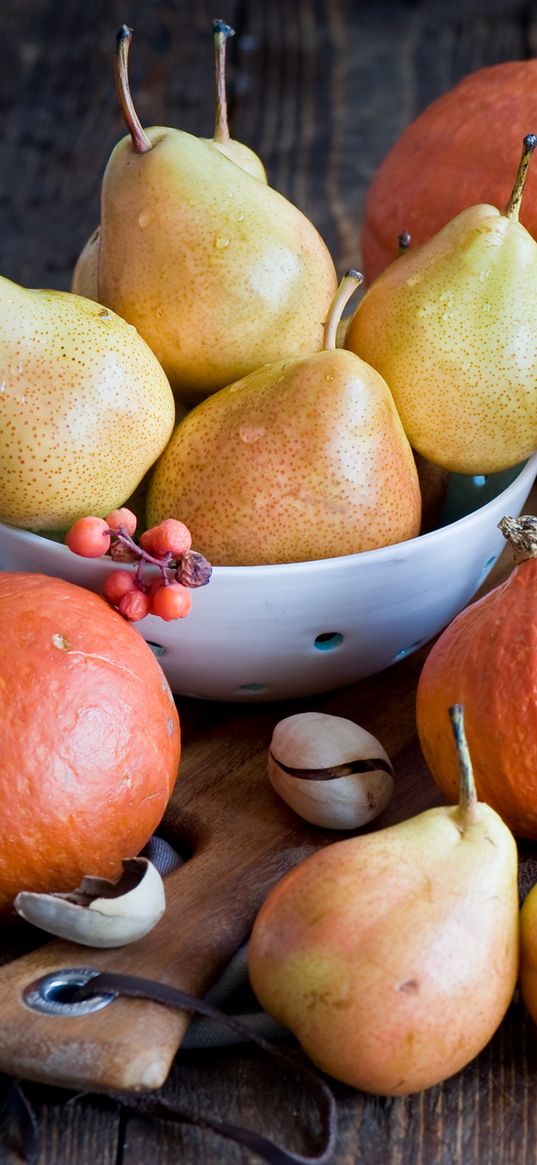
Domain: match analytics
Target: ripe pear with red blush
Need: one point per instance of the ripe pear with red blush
(393, 956)
(305, 458)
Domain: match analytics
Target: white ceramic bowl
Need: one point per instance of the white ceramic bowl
(261, 633)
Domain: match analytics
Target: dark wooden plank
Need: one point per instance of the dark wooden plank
(62, 116)
(69, 1132)
(467, 35)
(320, 90)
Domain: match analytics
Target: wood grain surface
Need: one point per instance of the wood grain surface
(320, 90)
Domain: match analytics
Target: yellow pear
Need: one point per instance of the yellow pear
(218, 272)
(393, 956)
(451, 325)
(85, 408)
(528, 952)
(239, 153)
(84, 281)
(305, 458)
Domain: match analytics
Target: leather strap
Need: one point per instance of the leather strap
(148, 1106)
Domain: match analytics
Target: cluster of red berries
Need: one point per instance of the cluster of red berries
(168, 547)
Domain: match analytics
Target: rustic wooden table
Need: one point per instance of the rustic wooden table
(321, 90)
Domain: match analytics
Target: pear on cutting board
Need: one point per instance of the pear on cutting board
(218, 272)
(451, 326)
(85, 408)
(393, 955)
(305, 458)
(85, 274)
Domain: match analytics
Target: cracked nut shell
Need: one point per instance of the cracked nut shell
(329, 770)
(101, 913)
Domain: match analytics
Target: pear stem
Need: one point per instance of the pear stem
(468, 807)
(140, 140)
(350, 282)
(221, 32)
(513, 206)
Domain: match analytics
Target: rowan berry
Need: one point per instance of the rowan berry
(134, 605)
(119, 583)
(171, 602)
(122, 519)
(169, 537)
(89, 537)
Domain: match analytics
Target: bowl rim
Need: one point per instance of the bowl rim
(528, 471)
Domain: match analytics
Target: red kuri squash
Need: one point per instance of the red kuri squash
(463, 149)
(89, 737)
(486, 660)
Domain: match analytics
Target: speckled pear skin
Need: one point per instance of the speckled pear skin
(451, 326)
(303, 459)
(85, 408)
(218, 272)
(84, 281)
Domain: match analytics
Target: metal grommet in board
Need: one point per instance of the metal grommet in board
(51, 993)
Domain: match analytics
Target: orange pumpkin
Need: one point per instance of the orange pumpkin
(89, 737)
(463, 149)
(486, 660)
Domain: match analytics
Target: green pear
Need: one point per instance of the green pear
(239, 153)
(304, 458)
(85, 274)
(451, 326)
(393, 956)
(218, 272)
(85, 408)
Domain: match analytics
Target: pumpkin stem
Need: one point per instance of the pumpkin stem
(468, 808)
(522, 534)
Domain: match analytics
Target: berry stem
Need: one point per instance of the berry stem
(140, 140)
(140, 553)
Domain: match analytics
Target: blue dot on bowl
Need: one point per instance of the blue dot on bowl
(156, 648)
(327, 640)
(402, 654)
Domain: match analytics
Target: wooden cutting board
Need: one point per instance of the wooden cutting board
(242, 838)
